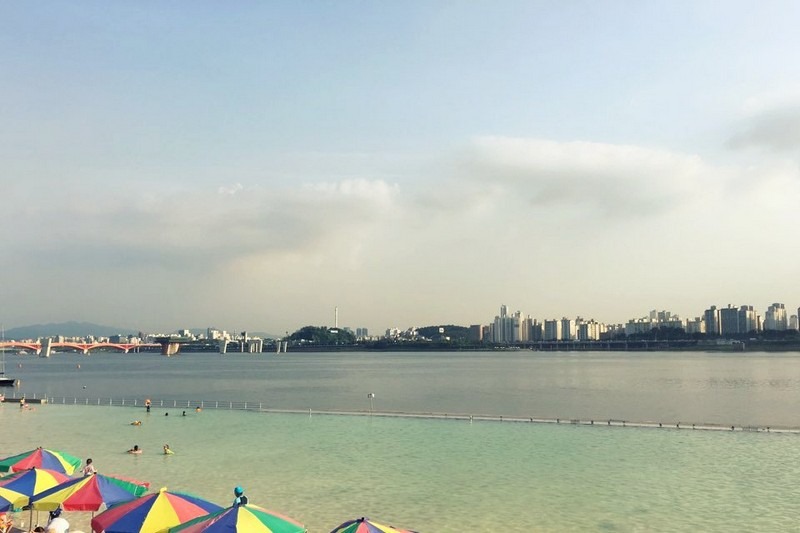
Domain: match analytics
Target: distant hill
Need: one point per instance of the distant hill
(67, 329)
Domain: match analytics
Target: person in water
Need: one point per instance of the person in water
(239, 497)
(167, 450)
(135, 449)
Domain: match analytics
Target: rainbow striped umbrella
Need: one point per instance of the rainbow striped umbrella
(87, 493)
(32, 482)
(153, 513)
(11, 500)
(41, 458)
(241, 519)
(365, 525)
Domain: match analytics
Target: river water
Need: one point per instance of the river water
(436, 475)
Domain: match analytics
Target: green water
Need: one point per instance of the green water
(440, 475)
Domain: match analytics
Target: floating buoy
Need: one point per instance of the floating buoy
(84, 386)
(78, 367)
(19, 365)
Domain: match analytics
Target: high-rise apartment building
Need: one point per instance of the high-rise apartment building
(503, 327)
(711, 319)
(729, 320)
(537, 333)
(775, 318)
(748, 319)
(695, 325)
(552, 330)
(567, 329)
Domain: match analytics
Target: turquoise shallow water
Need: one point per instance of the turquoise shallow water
(440, 475)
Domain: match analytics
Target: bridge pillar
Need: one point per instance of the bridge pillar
(170, 348)
(46, 347)
(223, 346)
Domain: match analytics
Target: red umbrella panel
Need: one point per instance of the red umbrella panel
(41, 458)
(87, 493)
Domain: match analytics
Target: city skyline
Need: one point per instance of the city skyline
(251, 165)
(776, 316)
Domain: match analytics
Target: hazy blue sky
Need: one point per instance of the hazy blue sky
(252, 165)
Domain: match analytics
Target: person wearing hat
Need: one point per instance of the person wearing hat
(240, 498)
(57, 524)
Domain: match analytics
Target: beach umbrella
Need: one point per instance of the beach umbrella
(87, 493)
(41, 458)
(365, 525)
(11, 500)
(241, 519)
(33, 481)
(152, 513)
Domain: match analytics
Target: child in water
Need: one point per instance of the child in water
(167, 450)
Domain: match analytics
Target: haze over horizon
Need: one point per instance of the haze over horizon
(251, 166)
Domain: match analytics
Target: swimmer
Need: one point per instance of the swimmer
(136, 423)
(135, 449)
(167, 450)
(197, 409)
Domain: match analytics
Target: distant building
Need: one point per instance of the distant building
(503, 327)
(476, 333)
(639, 326)
(775, 318)
(589, 330)
(695, 325)
(711, 319)
(729, 320)
(748, 319)
(567, 329)
(552, 330)
(536, 333)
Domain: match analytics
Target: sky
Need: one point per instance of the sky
(255, 165)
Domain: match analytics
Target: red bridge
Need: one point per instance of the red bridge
(82, 347)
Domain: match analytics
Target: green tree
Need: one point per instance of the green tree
(322, 335)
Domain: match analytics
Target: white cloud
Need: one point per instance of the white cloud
(776, 129)
(230, 189)
(611, 180)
